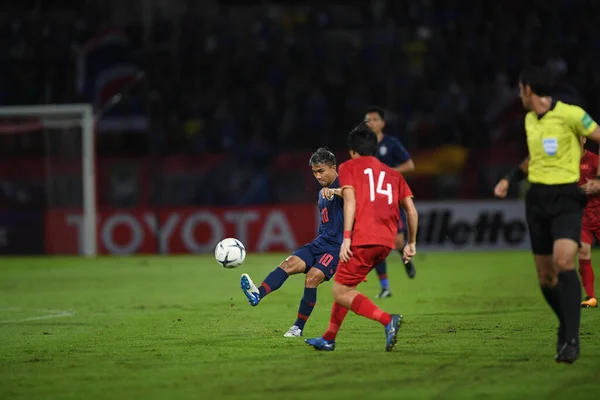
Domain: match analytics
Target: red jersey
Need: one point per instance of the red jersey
(588, 170)
(379, 190)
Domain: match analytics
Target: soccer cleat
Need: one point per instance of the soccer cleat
(590, 302)
(410, 269)
(391, 332)
(568, 353)
(321, 344)
(250, 290)
(294, 331)
(384, 293)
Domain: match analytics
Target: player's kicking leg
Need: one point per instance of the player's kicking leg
(291, 266)
(585, 269)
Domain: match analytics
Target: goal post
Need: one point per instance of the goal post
(67, 115)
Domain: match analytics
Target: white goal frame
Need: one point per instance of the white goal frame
(50, 113)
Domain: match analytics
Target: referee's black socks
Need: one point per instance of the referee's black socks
(553, 297)
(570, 299)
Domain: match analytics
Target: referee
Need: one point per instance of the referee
(554, 204)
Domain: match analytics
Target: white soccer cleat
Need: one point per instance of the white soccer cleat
(250, 290)
(293, 332)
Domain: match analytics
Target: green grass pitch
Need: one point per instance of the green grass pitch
(476, 327)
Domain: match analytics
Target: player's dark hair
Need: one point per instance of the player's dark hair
(362, 140)
(378, 110)
(322, 156)
(541, 80)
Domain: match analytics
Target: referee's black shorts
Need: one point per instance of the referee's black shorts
(554, 212)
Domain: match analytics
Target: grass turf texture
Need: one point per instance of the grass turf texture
(476, 326)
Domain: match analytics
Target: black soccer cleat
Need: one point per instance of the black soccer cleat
(568, 353)
(410, 269)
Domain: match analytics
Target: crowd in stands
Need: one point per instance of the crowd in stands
(273, 77)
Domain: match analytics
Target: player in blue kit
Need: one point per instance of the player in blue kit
(317, 259)
(390, 152)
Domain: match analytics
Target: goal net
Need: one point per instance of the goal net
(47, 166)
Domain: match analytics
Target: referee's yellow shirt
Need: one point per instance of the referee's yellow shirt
(554, 143)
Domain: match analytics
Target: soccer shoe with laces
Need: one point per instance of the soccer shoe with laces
(391, 332)
(250, 290)
(590, 302)
(384, 293)
(321, 344)
(294, 331)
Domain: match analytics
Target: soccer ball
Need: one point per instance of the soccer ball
(230, 253)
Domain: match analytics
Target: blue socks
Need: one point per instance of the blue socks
(272, 282)
(307, 304)
(382, 274)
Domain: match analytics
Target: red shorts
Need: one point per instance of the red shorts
(588, 233)
(364, 259)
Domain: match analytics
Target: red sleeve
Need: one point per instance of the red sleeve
(345, 176)
(403, 189)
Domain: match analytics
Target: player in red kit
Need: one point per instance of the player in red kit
(590, 223)
(590, 227)
(372, 193)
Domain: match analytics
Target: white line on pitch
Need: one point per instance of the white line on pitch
(61, 314)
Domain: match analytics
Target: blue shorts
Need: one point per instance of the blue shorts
(402, 224)
(315, 255)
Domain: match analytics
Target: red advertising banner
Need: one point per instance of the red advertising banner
(191, 230)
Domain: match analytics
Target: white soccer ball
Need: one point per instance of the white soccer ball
(230, 253)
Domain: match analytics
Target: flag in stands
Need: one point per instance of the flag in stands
(105, 67)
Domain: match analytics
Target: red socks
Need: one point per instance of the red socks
(338, 313)
(365, 307)
(587, 276)
(361, 306)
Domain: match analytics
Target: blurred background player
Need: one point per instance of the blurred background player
(390, 152)
(372, 192)
(554, 203)
(590, 224)
(317, 259)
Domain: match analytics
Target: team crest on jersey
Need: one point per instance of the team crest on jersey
(383, 150)
(550, 146)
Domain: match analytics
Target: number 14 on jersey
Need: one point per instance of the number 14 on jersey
(379, 190)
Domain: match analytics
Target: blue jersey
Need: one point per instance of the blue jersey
(331, 223)
(391, 152)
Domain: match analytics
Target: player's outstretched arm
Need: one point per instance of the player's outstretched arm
(328, 193)
(517, 174)
(412, 218)
(349, 197)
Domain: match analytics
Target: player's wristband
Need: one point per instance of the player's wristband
(598, 177)
(347, 234)
(515, 175)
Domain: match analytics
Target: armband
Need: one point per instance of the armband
(515, 175)
(347, 234)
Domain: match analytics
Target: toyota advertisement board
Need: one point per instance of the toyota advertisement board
(443, 226)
